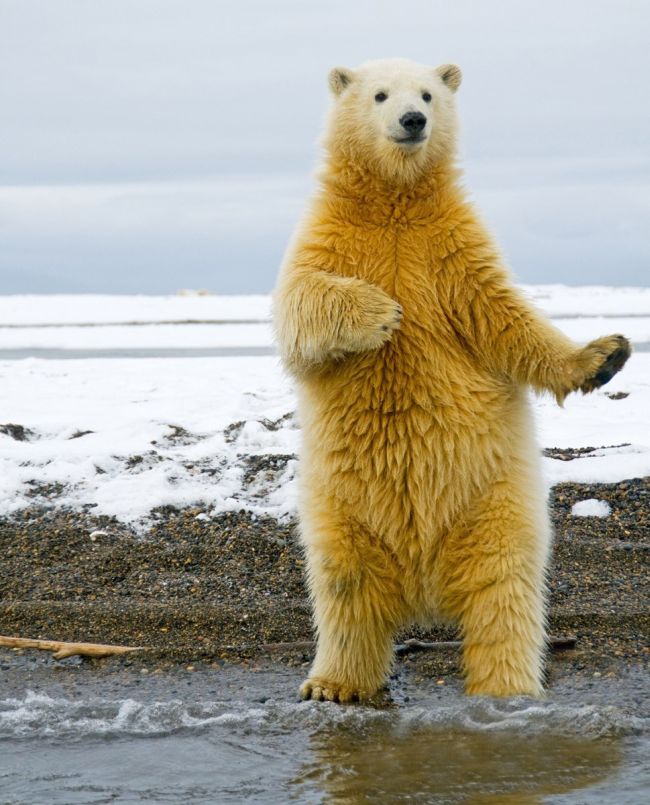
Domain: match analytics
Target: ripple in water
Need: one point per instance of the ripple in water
(39, 716)
(464, 750)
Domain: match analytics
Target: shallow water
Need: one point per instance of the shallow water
(56, 353)
(441, 748)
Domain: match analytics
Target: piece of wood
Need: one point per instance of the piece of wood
(561, 643)
(62, 649)
(413, 645)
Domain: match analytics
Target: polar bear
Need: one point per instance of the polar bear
(412, 352)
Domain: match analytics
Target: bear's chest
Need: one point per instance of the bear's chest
(403, 259)
(425, 361)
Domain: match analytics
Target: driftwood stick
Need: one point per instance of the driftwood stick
(409, 646)
(62, 650)
(412, 646)
(561, 643)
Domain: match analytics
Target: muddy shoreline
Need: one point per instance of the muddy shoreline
(208, 593)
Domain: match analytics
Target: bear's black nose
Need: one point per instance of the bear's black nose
(413, 122)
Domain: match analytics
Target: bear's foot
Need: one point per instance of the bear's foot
(510, 664)
(325, 690)
(607, 357)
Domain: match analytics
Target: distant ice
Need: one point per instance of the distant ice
(39, 309)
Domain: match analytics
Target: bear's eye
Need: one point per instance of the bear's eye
(426, 96)
(380, 97)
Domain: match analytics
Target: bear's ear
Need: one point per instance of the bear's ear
(450, 75)
(339, 78)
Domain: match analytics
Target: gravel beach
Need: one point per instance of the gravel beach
(200, 592)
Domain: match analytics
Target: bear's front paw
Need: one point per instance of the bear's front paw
(602, 359)
(379, 316)
(324, 690)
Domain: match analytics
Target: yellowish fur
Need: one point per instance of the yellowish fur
(412, 350)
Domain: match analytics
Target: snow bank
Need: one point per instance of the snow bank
(36, 309)
(558, 301)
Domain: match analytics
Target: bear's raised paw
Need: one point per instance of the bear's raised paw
(377, 318)
(609, 355)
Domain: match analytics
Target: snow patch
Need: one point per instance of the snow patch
(591, 508)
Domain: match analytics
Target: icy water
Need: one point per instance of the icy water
(236, 745)
(57, 354)
(54, 353)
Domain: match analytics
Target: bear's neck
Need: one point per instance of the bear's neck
(430, 190)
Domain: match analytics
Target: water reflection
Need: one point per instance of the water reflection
(383, 763)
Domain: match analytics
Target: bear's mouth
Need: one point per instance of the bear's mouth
(414, 139)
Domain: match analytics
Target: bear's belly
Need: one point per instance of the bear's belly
(403, 440)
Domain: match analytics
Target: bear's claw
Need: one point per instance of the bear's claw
(396, 319)
(322, 690)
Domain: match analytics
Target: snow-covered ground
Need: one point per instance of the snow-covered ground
(121, 436)
(158, 433)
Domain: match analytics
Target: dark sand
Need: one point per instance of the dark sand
(204, 593)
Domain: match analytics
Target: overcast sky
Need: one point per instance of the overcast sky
(152, 145)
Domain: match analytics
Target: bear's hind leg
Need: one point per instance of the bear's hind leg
(493, 582)
(357, 604)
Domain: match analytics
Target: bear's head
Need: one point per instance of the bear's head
(394, 117)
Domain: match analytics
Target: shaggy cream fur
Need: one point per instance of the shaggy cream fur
(412, 350)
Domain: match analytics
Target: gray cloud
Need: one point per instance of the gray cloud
(149, 144)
